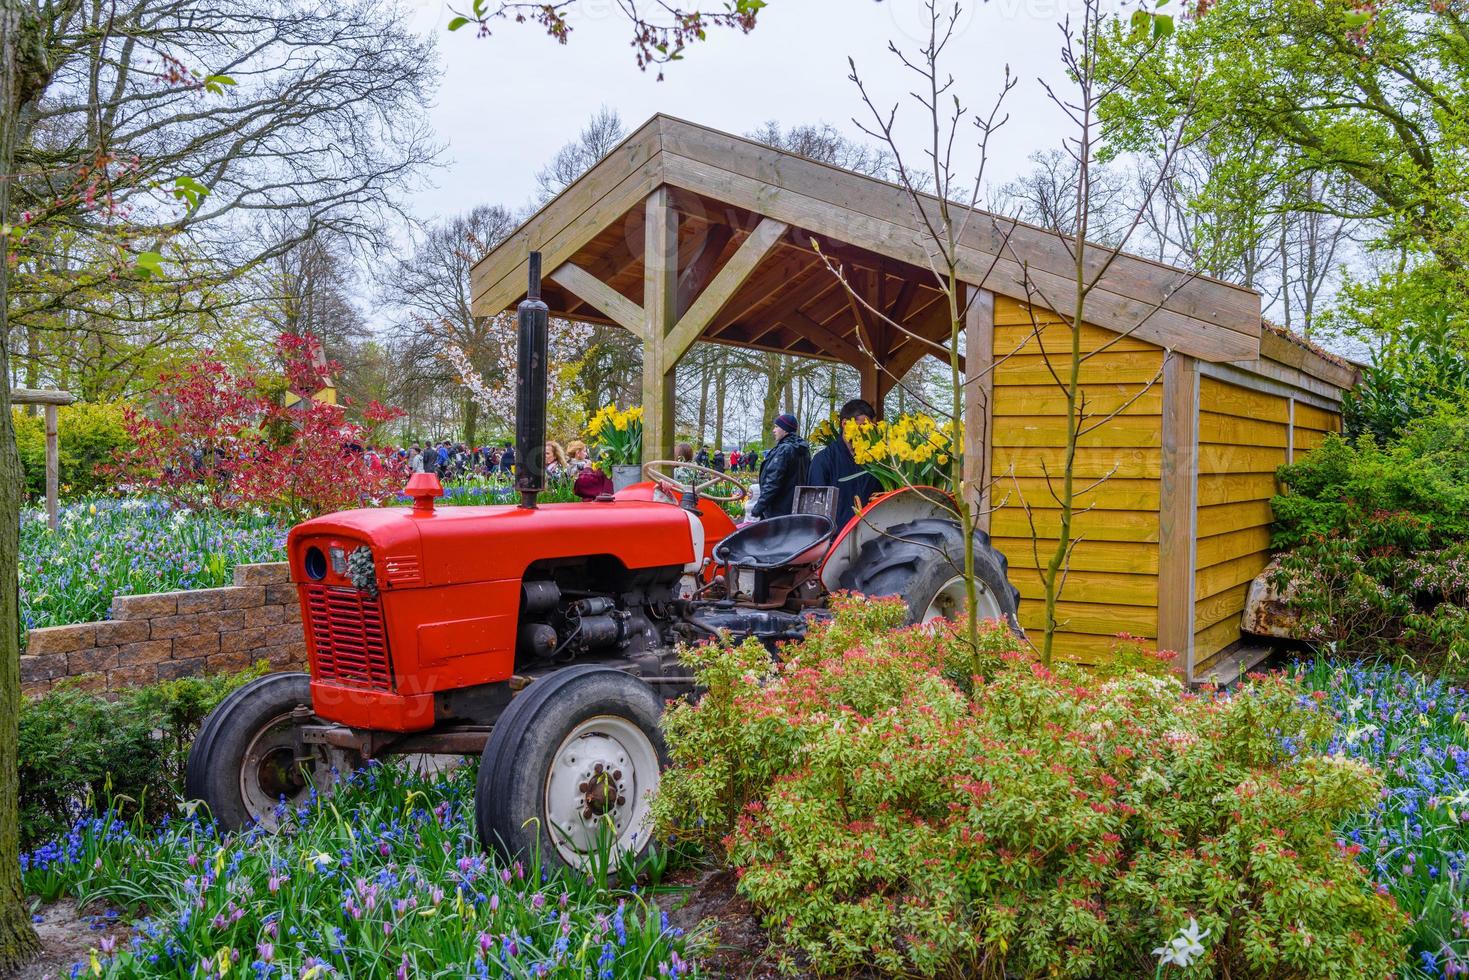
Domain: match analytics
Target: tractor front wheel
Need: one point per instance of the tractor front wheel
(246, 762)
(571, 767)
(922, 562)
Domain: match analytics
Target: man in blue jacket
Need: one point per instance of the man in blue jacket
(835, 466)
(785, 468)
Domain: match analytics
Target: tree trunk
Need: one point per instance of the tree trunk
(719, 406)
(17, 937)
(703, 403)
(774, 384)
(471, 421)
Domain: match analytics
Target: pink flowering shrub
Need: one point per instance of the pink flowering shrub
(893, 798)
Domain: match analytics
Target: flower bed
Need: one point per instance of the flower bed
(1414, 842)
(106, 547)
(384, 880)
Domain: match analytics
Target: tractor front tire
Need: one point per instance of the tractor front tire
(570, 769)
(243, 762)
(922, 562)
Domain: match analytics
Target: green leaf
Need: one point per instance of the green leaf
(1162, 25)
(1357, 18)
(457, 23)
(148, 263)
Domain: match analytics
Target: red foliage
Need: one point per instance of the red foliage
(213, 439)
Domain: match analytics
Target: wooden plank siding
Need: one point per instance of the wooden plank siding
(1112, 586)
(1244, 435)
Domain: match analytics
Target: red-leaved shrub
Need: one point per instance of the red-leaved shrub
(210, 437)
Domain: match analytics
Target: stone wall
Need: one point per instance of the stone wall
(174, 634)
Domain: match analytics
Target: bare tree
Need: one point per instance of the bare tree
(430, 292)
(597, 138)
(175, 139)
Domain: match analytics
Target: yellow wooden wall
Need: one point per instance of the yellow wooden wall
(1113, 583)
(1243, 437)
(1312, 425)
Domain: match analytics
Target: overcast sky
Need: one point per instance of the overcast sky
(509, 101)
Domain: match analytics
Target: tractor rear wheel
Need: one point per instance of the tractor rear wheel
(923, 563)
(571, 767)
(243, 764)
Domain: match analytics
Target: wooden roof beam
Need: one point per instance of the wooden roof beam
(597, 294)
(722, 287)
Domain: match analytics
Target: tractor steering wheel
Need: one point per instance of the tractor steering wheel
(653, 470)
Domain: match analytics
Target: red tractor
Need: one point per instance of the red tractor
(544, 637)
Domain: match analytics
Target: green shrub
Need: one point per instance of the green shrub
(1378, 564)
(88, 433)
(1341, 486)
(1026, 823)
(79, 750)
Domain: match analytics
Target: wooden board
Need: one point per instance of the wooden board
(1220, 606)
(1211, 640)
(1135, 399)
(1224, 518)
(1115, 494)
(1109, 367)
(1092, 587)
(1098, 619)
(731, 169)
(1229, 399)
(1215, 459)
(1226, 575)
(1231, 430)
(1055, 340)
(1124, 431)
(1176, 506)
(1232, 488)
(1128, 557)
(1032, 461)
(1099, 525)
(1232, 544)
(1310, 417)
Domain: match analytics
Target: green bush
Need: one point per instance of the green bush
(88, 433)
(1379, 543)
(895, 799)
(1422, 479)
(79, 750)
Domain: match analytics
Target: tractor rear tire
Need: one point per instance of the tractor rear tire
(243, 761)
(577, 755)
(922, 562)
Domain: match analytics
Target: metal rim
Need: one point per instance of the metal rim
(949, 602)
(606, 768)
(268, 771)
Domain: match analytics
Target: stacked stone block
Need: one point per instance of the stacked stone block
(167, 635)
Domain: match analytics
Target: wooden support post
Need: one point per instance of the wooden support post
(660, 309)
(870, 375)
(53, 467)
(979, 389)
(1177, 514)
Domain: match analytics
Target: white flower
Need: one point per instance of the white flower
(1355, 705)
(1183, 948)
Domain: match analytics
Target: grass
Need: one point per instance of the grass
(384, 879)
(1415, 843)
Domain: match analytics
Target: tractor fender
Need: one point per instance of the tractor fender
(886, 510)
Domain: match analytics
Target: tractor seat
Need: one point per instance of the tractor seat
(774, 543)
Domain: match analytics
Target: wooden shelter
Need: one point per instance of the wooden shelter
(683, 233)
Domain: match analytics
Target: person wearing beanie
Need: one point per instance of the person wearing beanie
(784, 468)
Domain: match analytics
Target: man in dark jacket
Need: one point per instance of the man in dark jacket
(834, 466)
(785, 468)
(430, 459)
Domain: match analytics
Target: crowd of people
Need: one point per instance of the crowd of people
(788, 464)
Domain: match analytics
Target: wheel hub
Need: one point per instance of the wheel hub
(598, 783)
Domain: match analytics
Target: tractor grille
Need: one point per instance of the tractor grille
(347, 629)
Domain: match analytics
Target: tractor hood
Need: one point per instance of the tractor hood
(458, 545)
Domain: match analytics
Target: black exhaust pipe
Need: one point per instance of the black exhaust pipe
(532, 338)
